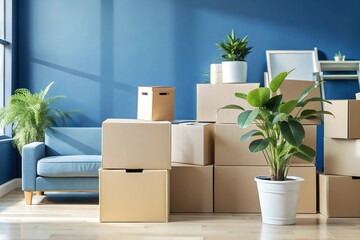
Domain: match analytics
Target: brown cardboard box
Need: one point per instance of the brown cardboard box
(342, 156)
(345, 124)
(156, 103)
(229, 150)
(136, 144)
(211, 97)
(339, 196)
(192, 143)
(191, 188)
(236, 190)
(134, 196)
(292, 89)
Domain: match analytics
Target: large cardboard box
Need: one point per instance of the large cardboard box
(127, 196)
(342, 156)
(156, 103)
(339, 196)
(191, 188)
(236, 190)
(345, 124)
(212, 97)
(136, 144)
(292, 89)
(192, 143)
(230, 151)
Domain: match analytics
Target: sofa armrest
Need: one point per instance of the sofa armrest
(31, 153)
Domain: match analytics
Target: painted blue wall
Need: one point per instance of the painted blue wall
(99, 52)
(8, 162)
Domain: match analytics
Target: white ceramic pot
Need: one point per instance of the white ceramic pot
(234, 71)
(278, 199)
(339, 59)
(216, 73)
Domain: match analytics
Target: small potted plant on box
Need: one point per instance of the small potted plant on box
(281, 137)
(234, 68)
(339, 57)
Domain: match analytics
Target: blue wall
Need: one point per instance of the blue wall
(8, 162)
(99, 52)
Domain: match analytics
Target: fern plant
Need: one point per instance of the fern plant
(235, 49)
(30, 115)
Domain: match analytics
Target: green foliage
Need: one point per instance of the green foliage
(339, 54)
(30, 115)
(235, 49)
(280, 135)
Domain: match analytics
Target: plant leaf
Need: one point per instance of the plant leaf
(306, 150)
(274, 103)
(288, 107)
(307, 91)
(251, 134)
(241, 95)
(314, 99)
(304, 157)
(293, 132)
(258, 97)
(279, 117)
(258, 145)
(247, 117)
(278, 80)
(232, 106)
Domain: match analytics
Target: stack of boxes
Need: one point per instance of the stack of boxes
(134, 178)
(339, 186)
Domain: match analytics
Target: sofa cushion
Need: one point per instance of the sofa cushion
(69, 166)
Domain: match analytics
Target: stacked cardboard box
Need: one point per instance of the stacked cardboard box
(342, 158)
(134, 178)
(236, 167)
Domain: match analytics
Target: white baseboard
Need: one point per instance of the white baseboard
(9, 186)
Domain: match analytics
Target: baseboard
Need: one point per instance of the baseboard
(9, 186)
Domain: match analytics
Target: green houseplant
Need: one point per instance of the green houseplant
(281, 136)
(235, 50)
(30, 115)
(339, 56)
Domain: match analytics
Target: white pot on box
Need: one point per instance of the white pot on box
(234, 71)
(278, 199)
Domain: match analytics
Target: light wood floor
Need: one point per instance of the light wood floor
(75, 216)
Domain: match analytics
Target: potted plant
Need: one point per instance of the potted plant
(234, 68)
(339, 57)
(30, 115)
(281, 137)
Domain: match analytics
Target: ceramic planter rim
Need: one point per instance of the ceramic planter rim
(290, 179)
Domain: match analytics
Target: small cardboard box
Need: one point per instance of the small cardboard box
(339, 196)
(345, 124)
(212, 97)
(342, 156)
(191, 188)
(127, 196)
(192, 143)
(292, 89)
(230, 151)
(236, 190)
(156, 103)
(136, 144)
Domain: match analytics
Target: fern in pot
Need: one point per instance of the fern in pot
(281, 137)
(30, 115)
(235, 50)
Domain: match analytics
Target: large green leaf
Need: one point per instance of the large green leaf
(308, 113)
(306, 150)
(293, 132)
(232, 106)
(250, 134)
(304, 156)
(274, 103)
(278, 80)
(307, 91)
(258, 145)
(314, 99)
(288, 107)
(241, 95)
(247, 117)
(258, 97)
(279, 117)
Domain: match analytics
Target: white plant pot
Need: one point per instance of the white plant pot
(234, 71)
(278, 199)
(339, 59)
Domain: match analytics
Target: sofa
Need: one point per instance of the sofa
(68, 160)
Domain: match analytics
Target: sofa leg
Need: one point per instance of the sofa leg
(28, 197)
(39, 193)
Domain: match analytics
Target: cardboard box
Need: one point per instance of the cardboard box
(292, 89)
(230, 151)
(212, 97)
(236, 190)
(191, 188)
(345, 124)
(156, 103)
(339, 196)
(342, 156)
(136, 144)
(192, 143)
(135, 196)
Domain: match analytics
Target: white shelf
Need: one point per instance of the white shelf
(340, 77)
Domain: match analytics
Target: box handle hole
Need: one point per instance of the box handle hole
(144, 93)
(163, 93)
(134, 170)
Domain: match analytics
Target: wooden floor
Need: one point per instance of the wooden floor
(75, 216)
